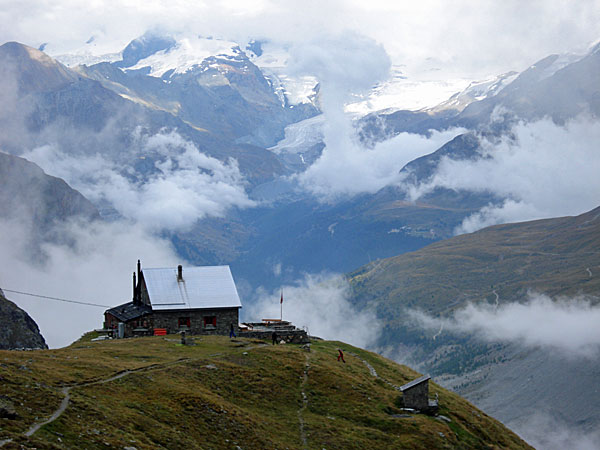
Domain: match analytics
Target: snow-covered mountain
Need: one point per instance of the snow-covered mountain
(185, 55)
(164, 56)
(557, 86)
(475, 91)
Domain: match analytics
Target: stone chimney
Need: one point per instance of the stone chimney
(134, 290)
(138, 287)
(179, 272)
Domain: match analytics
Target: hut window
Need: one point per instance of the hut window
(184, 322)
(210, 321)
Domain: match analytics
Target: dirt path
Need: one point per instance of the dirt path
(64, 404)
(66, 391)
(304, 401)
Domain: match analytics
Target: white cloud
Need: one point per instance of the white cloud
(348, 168)
(185, 185)
(321, 303)
(543, 170)
(347, 66)
(546, 433)
(566, 325)
(96, 268)
(424, 35)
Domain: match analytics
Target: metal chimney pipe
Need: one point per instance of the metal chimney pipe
(179, 272)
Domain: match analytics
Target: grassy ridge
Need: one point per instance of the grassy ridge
(558, 257)
(223, 394)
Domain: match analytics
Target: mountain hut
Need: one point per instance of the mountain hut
(201, 300)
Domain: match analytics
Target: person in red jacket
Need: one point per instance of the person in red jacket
(341, 355)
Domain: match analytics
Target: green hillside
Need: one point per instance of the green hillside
(554, 256)
(559, 257)
(149, 393)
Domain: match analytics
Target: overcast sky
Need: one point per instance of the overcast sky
(436, 38)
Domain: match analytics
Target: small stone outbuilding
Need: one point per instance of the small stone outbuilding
(199, 300)
(415, 395)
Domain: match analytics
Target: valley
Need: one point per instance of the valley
(466, 232)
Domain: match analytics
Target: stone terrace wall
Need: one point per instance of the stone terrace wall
(290, 336)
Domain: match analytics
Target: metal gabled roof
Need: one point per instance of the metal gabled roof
(202, 287)
(413, 383)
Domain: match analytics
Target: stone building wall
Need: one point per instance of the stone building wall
(198, 318)
(417, 397)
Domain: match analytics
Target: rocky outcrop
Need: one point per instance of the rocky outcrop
(18, 330)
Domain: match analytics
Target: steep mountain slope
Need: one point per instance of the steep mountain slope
(550, 256)
(18, 329)
(557, 86)
(27, 192)
(305, 236)
(210, 84)
(80, 116)
(152, 392)
(494, 266)
(108, 119)
(554, 87)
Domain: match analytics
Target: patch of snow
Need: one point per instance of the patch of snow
(402, 91)
(186, 54)
(560, 62)
(85, 57)
(477, 90)
(300, 136)
(436, 335)
(273, 63)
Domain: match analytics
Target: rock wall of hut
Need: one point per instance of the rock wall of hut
(417, 397)
(200, 321)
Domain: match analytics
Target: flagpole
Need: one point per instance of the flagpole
(281, 307)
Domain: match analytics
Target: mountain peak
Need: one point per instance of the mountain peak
(144, 46)
(33, 69)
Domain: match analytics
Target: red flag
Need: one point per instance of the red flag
(281, 300)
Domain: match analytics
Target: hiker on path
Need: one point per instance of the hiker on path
(274, 337)
(341, 355)
(231, 332)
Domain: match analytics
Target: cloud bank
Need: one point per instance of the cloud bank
(347, 66)
(542, 170)
(547, 433)
(565, 325)
(182, 184)
(320, 302)
(425, 35)
(347, 168)
(98, 262)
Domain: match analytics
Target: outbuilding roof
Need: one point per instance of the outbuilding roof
(129, 311)
(201, 287)
(413, 383)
